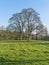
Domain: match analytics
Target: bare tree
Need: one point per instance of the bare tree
(32, 20)
(17, 23)
(27, 20)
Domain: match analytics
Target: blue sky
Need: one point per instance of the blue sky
(9, 7)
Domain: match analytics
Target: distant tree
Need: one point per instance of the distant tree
(2, 27)
(40, 31)
(46, 33)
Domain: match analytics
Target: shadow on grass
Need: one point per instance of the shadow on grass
(19, 62)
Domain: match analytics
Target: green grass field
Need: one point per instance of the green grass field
(24, 53)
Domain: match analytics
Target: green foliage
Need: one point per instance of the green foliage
(24, 53)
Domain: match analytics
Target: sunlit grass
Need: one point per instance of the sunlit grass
(20, 52)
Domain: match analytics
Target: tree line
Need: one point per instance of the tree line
(25, 25)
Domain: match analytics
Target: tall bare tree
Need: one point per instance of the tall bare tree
(32, 20)
(27, 20)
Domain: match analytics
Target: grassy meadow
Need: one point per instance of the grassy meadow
(24, 53)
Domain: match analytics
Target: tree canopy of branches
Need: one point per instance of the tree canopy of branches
(26, 23)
